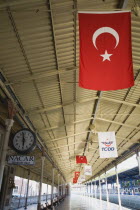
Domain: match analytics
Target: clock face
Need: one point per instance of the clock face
(24, 141)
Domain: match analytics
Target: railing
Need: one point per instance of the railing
(20, 202)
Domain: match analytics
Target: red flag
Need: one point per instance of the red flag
(81, 159)
(105, 51)
(77, 174)
(74, 180)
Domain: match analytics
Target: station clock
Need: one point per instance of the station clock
(24, 141)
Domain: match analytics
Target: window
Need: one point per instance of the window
(15, 189)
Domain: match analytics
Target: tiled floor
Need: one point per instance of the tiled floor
(78, 202)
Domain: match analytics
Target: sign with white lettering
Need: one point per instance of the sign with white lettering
(21, 160)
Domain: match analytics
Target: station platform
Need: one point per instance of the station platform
(79, 202)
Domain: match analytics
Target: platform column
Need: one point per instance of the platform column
(20, 192)
(52, 186)
(26, 200)
(41, 180)
(58, 185)
(61, 188)
(95, 190)
(90, 188)
(118, 188)
(100, 193)
(47, 193)
(9, 124)
(100, 189)
(138, 159)
(107, 196)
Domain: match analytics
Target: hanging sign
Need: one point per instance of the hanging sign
(107, 144)
(82, 178)
(88, 170)
(21, 160)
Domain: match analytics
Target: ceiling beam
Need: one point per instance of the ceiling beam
(79, 142)
(64, 137)
(87, 119)
(67, 151)
(63, 125)
(36, 76)
(57, 63)
(48, 109)
(119, 123)
(77, 134)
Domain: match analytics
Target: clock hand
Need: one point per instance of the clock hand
(23, 139)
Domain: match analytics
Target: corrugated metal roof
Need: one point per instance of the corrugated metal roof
(40, 56)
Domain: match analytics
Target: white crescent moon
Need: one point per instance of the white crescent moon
(105, 30)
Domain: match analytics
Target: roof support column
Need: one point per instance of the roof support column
(107, 195)
(52, 187)
(100, 193)
(41, 180)
(95, 189)
(26, 200)
(58, 186)
(118, 188)
(20, 192)
(138, 159)
(9, 124)
(47, 193)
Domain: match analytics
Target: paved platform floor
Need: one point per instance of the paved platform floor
(78, 202)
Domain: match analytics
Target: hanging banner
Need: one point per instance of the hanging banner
(107, 144)
(82, 178)
(138, 159)
(79, 181)
(88, 170)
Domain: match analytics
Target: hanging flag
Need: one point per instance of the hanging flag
(138, 159)
(81, 159)
(105, 50)
(88, 170)
(107, 144)
(77, 174)
(75, 180)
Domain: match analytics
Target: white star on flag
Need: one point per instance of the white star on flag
(106, 56)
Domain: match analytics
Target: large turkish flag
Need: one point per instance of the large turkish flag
(105, 51)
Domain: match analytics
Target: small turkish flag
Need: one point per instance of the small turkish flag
(81, 159)
(105, 51)
(74, 180)
(77, 174)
